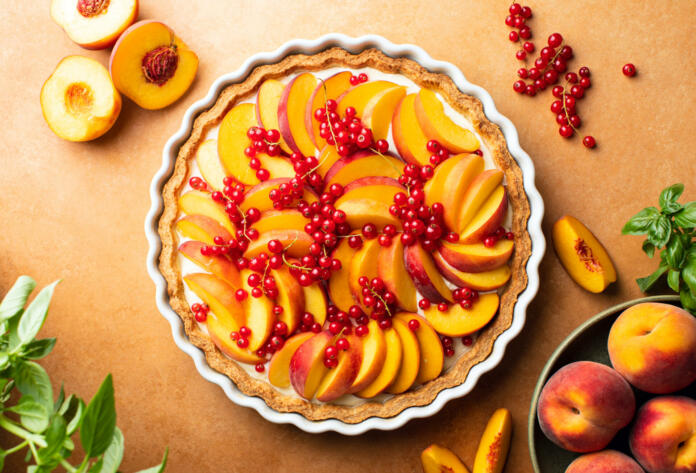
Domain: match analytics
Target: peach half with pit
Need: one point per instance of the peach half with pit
(94, 24)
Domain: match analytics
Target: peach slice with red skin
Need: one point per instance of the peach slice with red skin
(495, 443)
(78, 100)
(364, 263)
(432, 355)
(432, 118)
(219, 296)
(210, 166)
(296, 243)
(426, 277)
(290, 297)
(374, 352)
(220, 335)
(488, 218)
(202, 228)
(339, 285)
(288, 219)
(200, 203)
(362, 164)
(378, 112)
(94, 24)
(359, 96)
(220, 266)
(267, 102)
(291, 113)
(258, 196)
(437, 459)
(392, 270)
(410, 361)
(151, 65)
(369, 204)
(307, 364)
(484, 281)
(409, 138)
(279, 366)
(478, 192)
(340, 378)
(328, 89)
(477, 258)
(390, 368)
(458, 322)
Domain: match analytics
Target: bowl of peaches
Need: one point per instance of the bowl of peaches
(619, 394)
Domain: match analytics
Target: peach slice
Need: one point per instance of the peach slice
(258, 196)
(220, 266)
(358, 97)
(267, 102)
(327, 157)
(232, 140)
(437, 459)
(290, 297)
(362, 164)
(450, 182)
(279, 367)
(339, 286)
(432, 355)
(369, 204)
(488, 218)
(438, 126)
(477, 258)
(410, 362)
(457, 322)
(291, 113)
(296, 243)
(200, 203)
(392, 270)
(340, 378)
(495, 443)
(307, 364)
(94, 24)
(259, 315)
(379, 111)
(373, 181)
(280, 220)
(78, 100)
(151, 65)
(315, 302)
(582, 255)
(210, 165)
(202, 228)
(364, 263)
(374, 352)
(409, 138)
(220, 335)
(328, 89)
(390, 368)
(485, 281)
(478, 192)
(426, 277)
(219, 296)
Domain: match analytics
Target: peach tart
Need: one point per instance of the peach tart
(344, 235)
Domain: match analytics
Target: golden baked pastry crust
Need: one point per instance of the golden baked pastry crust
(471, 108)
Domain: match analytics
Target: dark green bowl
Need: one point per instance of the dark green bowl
(587, 342)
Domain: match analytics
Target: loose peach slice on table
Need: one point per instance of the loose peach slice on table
(409, 138)
(79, 101)
(233, 139)
(364, 263)
(279, 366)
(425, 275)
(392, 270)
(457, 322)
(290, 297)
(307, 367)
(200, 203)
(478, 192)
(390, 368)
(374, 352)
(438, 126)
(358, 97)
(582, 255)
(220, 266)
(220, 334)
(363, 164)
(410, 362)
(339, 285)
(484, 281)
(437, 459)
(291, 113)
(219, 296)
(328, 89)
(488, 218)
(369, 204)
(202, 228)
(94, 24)
(315, 302)
(267, 102)
(477, 258)
(495, 443)
(340, 378)
(379, 111)
(450, 182)
(258, 196)
(296, 243)
(209, 164)
(432, 355)
(151, 65)
(280, 220)
(373, 181)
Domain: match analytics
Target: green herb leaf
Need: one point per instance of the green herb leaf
(159, 468)
(16, 298)
(33, 415)
(688, 300)
(99, 420)
(37, 349)
(689, 275)
(649, 248)
(640, 222)
(114, 453)
(686, 217)
(55, 436)
(674, 251)
(670, 194)
(33, 381)
(76, 418)
(96, 468)
(647, 282)
(673, 279)
(33, 318)
(659, 231)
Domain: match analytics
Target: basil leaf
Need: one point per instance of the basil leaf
(649, 248)
(55, 436)
(16, 298)
(640, 222)
(689, 275)
(32, 415)
(96, 468)
(61, 398)
(33, 381)
(670, 194)
(659, 231)
(99, 420)
(159, 468)
(37, 349)
(4, 360)
(686, 217)
(114, 453)
(33, 318)
(675, 251)
(673, 279)
(688, 300)
(647, 282)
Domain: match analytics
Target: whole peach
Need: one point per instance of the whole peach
(584, 405)
(653, 346)
(606, 461)
(663, 437)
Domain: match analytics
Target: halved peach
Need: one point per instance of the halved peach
(409, 138)
(307, 364)
(339, 286)
(209, 164)
(288, 219)
(219, 296)
(582, 255)
(379, 111)
(259, 314)
(488, 218)
(290, 297)
(369, 204)
(484, 281)
(202, 228)
(477, 193)
(358, 97)
(291, 113)
(94, 24)
(374, 352)
(364, 263)
(495, 443)
(477, 258)
(200, 203)
(362, 164)
(373, 181)
(438, 126)
(457, 322)
(425, 275)
(315, 302)
(78, 100)
(151, 65)
(220, 335)
(410, 362)
(296, 243)
(340, 378)
(432, 355)
(328, 89)
(220, 266)
(437, 459)
(392, 270)
(279, 366)
(258, 196)
(390, 368)
(450, 182)
(327, 157)
(267, 102)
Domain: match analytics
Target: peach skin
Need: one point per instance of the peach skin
(437, 459)
(495, 443)
(606, 461)
(653, 346)
(583, 405)
(279, 367)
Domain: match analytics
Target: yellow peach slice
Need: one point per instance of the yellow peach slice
(392, 364)
(488, 218)
(94, 24)
(457, 322)
(151, 65)
(425, 275)
(379, 111)
(495, 443)
(477, 193)
(409, 138)
(220, 266)
(267, 102)
(280, 220)
(315, 302)
(220, 335)
(339, 286)
(307, 367)
(79, 101)
(437, 459)
(291, 113)
(359, 96)
(432, 355)
(328, 89)
(258, 196)
(374, 352)
(392, 270)
(200, 203)
(202, 228)
(369, 204)
(259, 314)
(438, 126)
(410, 362)
(364, 263)
(296, 243)
(363, 164)
(290, 297)
(484, 281)
(477, 258)
(327, 157)
(340, 378)
(209, 164)
(219, 296)
(279, 366)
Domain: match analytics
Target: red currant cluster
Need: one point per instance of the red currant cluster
(379, 299)
(347, 133)
(447, 345)
(241, 336)
(262, 141)
(198, 184)
(359, 79)
(331, 352)
(200, 311)
(500, 233)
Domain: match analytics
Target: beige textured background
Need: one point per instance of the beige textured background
(76, 211)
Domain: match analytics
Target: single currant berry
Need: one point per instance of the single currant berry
(557, 91)
(522, 72)
(382, 146)
(566, 53)
(369, 231)
(557, 106)
(577, 91)
(629, 70)
(342, 344)
(521, 55)
(424, 304)
(584, 71)
(514, 36)
(519, 86)
(555, 40)
(489, 242)
(528, 46)
(467, 341)
(575, 121)
(526, 12)
(566, 131)
(442, 307)
(413, 324)
(525, 32)
(585, 83)
(260, 367)
(589, 141)
(515, 9)
(531, 90)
